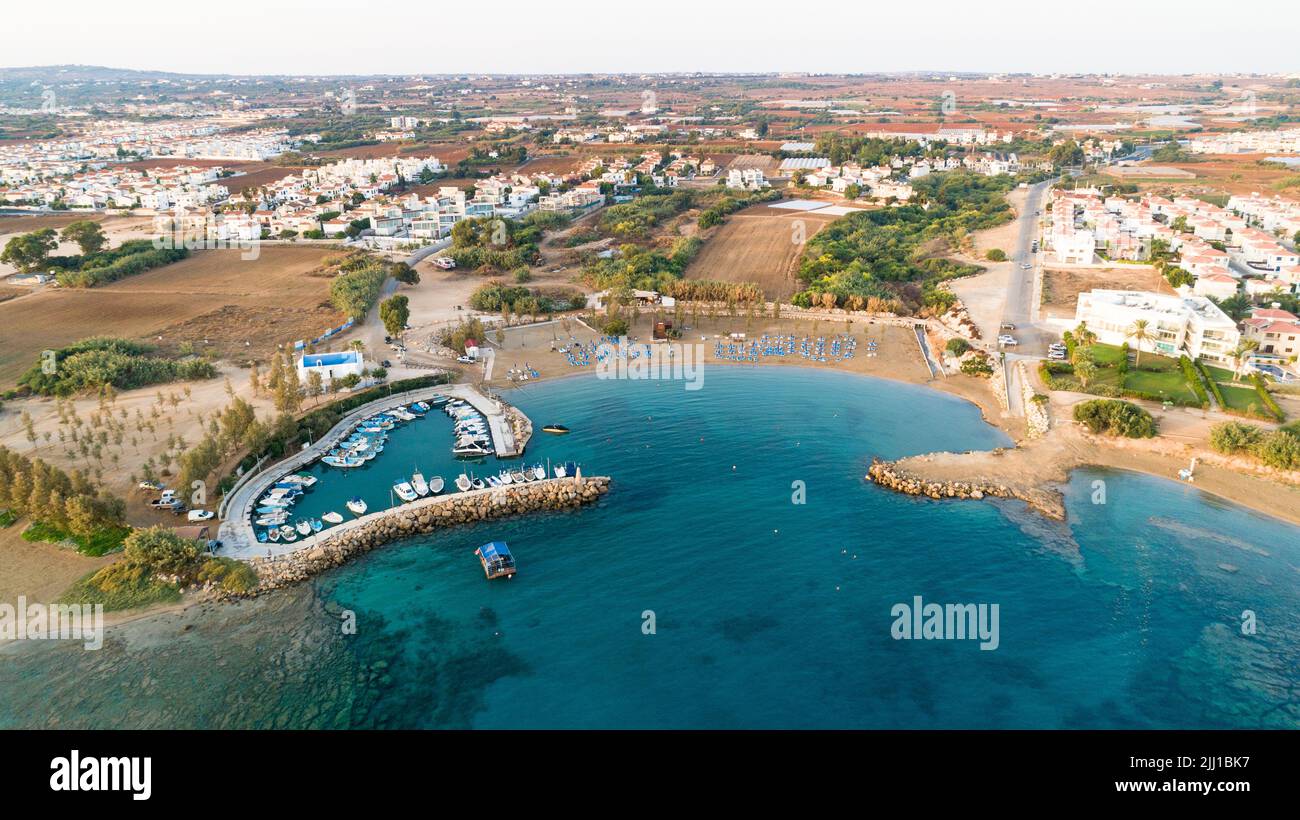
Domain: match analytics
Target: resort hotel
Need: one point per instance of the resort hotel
(1190, 324)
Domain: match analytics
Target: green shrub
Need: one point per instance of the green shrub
(122, 585)
(977, 365)
(1233, 437)
(996, 255)
(1190, 374)
(1264, 396)
(229, 574)
(94, 362)
(1279, 449)
(957, 346)
(1119, 418)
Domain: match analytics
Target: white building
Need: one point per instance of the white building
(1074, 248)
(748, 178)
(1178, 324)
(331, 366)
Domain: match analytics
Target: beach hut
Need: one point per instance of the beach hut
(497, 560)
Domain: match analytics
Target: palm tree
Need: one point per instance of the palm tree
(1084, 371)
(1139, 333)
(1240, 354)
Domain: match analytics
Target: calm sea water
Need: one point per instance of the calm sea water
(767, 613)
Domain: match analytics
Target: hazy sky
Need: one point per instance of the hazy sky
(404, 37)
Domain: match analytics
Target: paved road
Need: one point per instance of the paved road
(1021, 308)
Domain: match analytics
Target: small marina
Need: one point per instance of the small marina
(390, 453)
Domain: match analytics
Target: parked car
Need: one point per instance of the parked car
(1008, 326)
(385, 363)
(465, 359)
(1026, 265)
(198, 515)
(1008, 341)
(444, 262)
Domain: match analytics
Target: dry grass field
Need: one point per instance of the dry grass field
(757, 245)
(214, 298)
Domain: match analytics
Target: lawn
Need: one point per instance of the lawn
(1159, 377)
(1246, 401)
(1219, 374)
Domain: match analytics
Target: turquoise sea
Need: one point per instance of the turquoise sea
(766, 612)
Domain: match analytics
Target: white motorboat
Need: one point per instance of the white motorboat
(357, 506)
(435, 485)
(332, 518)
(420, 486)
(462, 483)
(539, 472)
(303, 527)
(405, 491)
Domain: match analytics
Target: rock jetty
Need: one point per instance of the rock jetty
(422, 517)
(888, 474)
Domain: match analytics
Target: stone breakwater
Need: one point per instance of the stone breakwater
(887, 474)
(421, 518)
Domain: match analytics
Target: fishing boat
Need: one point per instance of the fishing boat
(418, 483)
(273, 535)
(559, 471)
(493, 481)
(270, 520)
(505, 478)
(303, 527)
(405, 491)
(435, 485)
(343, 461)
(497, 560)
(357, 506)
(539, 472)
(332, 518)
(288, 533)
(558, 429)
(518, 477)
(261, 537)
(316, 525)
(301, 479)
(422, 406)
(463, 483)
(477, 483)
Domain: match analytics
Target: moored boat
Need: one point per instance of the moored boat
(357, 506)
(332, 518)
(418, 483)
(463, 483)
(435, 485)
(405, 491)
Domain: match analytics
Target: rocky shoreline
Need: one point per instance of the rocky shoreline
(442, 511)
(887, 474)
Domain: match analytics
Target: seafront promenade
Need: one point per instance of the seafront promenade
(238, 539)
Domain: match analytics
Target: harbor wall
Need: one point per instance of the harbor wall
(418, 518)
